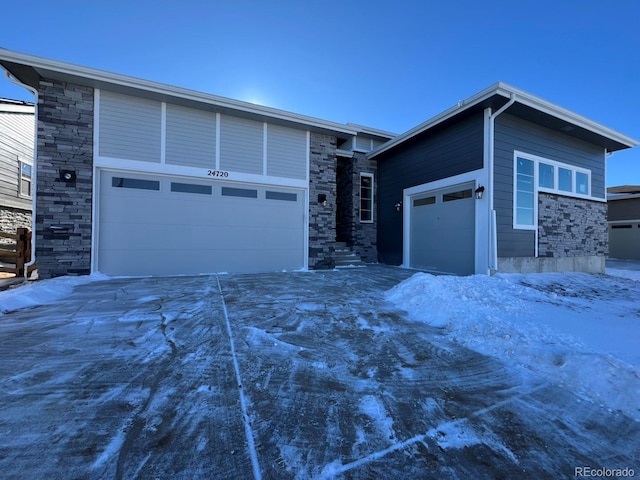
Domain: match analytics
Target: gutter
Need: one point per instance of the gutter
(493, 233)
(34, 175)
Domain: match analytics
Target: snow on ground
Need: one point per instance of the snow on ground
(578, 330)
(43, 292)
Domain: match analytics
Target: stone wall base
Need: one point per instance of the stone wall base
(587, 264)
(13, 218)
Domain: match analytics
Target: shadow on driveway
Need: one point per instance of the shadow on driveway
(320, 378)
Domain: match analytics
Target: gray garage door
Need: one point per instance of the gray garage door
(442, 233)
(624, 240)
(154, 225)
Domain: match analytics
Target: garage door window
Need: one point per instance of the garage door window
(451, 196)
(286, 196)
(135, 183)
(421, 202)
(191, 188)
(239, 192)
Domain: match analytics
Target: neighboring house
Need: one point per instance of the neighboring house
(624, 221)
(140, 178)
(16, 164)
(540, 169)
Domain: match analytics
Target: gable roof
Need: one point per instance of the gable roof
(526, 106)
(28, 69)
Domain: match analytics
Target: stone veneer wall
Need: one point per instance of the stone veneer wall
(362, 237)
(571, 227)
(322, 219)
(13, 218)
(63, 210)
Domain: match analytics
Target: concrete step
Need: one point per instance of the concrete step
(344, 257)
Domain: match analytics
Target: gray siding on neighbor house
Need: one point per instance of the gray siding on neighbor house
(191, 137)
(627, 209)
(130, 127)
(512, 133)
(286, 152)
(433, 156)
(17, 131)
(241, 145)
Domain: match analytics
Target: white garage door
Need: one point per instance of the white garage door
(154, 225)
(442, 230)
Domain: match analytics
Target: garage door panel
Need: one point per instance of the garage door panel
(442, 233)
(167, 233)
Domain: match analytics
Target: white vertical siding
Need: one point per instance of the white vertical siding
(286, 152)
(377, 143)
(191, 137)
(130, 127)
(363, 144)
(241, 145)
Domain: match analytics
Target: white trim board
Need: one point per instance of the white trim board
(482, 217)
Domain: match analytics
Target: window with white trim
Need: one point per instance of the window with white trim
(26, 172)
(525, 193)
(366, 197)
(536, 174)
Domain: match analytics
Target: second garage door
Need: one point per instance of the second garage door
(442, 230)
(155, 225)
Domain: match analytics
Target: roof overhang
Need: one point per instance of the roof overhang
(29, 69)
(621, 196)
(16, 106)
(526, 106)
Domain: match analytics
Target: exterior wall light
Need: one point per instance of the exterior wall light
(479, 192)
(322, 199)
(398, 206)
(67, 176)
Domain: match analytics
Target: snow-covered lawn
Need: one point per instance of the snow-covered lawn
(578, 330)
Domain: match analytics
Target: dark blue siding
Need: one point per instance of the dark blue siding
(433, 156)
(512, 133)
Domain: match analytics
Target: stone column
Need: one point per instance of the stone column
(63, 208)
(322, 219)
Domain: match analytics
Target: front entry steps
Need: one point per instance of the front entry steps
(345, 257)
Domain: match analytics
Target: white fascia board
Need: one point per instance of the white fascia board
(441, 117)
(523, 98)
(568, 116)
(621, 196)
(372, 131)
(16, 108)
(103, 76)
(344, 153)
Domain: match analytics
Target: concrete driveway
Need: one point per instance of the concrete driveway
(276, 376)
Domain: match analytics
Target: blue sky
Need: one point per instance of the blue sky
(381, 63)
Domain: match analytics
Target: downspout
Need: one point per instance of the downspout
(493, 237)
(34, 173)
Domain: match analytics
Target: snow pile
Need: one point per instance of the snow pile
(565, 327)
(43, 292)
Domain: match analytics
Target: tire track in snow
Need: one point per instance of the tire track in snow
(243, 402)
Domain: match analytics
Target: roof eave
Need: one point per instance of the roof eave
(102, 76)
(523, 98)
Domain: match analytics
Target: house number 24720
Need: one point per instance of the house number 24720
(217, 173)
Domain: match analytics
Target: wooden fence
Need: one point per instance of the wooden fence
(16, 253)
